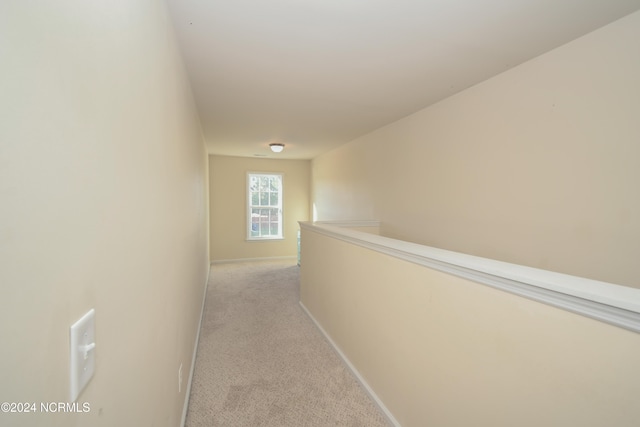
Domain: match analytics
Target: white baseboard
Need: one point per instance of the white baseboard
(355, 372)
(187, 391)
(271, 258)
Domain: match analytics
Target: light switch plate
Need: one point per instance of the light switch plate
(83, 354)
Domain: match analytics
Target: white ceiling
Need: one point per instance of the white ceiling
(315, 74)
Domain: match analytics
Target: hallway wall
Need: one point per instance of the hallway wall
(439, 349)
(228, 206)
(537, 166)
(103, 178)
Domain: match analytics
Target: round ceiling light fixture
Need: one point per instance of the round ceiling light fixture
(276, 147)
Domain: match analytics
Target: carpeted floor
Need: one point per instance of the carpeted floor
(262, 362)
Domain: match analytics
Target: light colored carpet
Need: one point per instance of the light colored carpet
(262, 362)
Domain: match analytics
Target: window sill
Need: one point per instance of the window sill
(264, 239)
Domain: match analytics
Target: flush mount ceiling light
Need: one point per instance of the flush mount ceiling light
(276, 147)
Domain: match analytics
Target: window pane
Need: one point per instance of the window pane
(265, 198)
(253, 183)
(255, 219)
(264, 183)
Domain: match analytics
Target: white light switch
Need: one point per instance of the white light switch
(83, 353)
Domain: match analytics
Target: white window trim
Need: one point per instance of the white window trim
(248, 208)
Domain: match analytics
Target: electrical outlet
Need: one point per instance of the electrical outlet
(180, 379)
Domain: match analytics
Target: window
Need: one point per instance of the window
(264, 213)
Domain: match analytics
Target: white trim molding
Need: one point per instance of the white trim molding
(271, 258)
(351, 223)
(353, 369)
(187, 391)
(607, 302)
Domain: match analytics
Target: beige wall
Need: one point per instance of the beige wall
(538, 166)
(228, 206)
(439, 350)
(103, 205)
